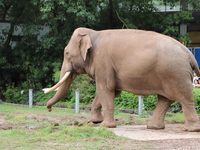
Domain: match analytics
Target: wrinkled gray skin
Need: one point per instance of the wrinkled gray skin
(136, 61)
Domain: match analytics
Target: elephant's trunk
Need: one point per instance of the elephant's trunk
(62, 90)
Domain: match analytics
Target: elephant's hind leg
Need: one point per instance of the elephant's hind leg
(192, 122)
(157, 121)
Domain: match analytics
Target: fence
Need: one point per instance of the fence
(77, 107)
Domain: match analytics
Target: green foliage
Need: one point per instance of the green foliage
(16, 95)
(43, 98)
(175, 107)
(171, 23)
(150, 102)
(34, 59)
(134, 14)
(126, 100)
(130, 101)
(87, 88)
(197, 99)
(85, 84)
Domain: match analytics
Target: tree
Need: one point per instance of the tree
(21, 14)
(32, 60)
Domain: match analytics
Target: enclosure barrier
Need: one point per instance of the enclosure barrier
(77, 107)
(77, 103)
(140, 105)
(30, 98)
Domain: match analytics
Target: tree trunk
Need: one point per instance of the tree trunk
(9, 37)
(111, 14)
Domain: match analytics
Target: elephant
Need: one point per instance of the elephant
(137, 61)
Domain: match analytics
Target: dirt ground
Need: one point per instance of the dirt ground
(171, 138)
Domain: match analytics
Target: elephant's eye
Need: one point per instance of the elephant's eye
(67, 55)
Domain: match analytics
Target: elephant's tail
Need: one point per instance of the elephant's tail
(194, 63)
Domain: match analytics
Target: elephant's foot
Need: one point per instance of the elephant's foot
(108, 124)
(96, 119)
(192, 127)
(155, 125)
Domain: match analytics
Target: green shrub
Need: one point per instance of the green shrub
(130, 101)
(87, 88)
(175, 107)
(82, 82)
(16, 95)
(126, 100)
(43, 98)
(197, 99)
(150, 102)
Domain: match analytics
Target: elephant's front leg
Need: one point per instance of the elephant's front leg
(96, 111)
(106, 98)
(157, 121)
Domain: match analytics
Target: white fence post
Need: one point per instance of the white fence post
(140, 105)
(30, 98)
(77, 93)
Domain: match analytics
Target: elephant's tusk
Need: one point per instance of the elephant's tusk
(55, 87)
(47, 89)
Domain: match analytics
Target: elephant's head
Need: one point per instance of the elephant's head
(75, 55)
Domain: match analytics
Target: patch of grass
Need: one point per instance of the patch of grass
(145, 115)
(141, 120)
(35, 128)
(74, 133)
(67, 138)
(17, 118)
(15, 138)
(9, 117)
(176, 118)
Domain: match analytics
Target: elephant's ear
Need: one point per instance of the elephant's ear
(85, 44)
